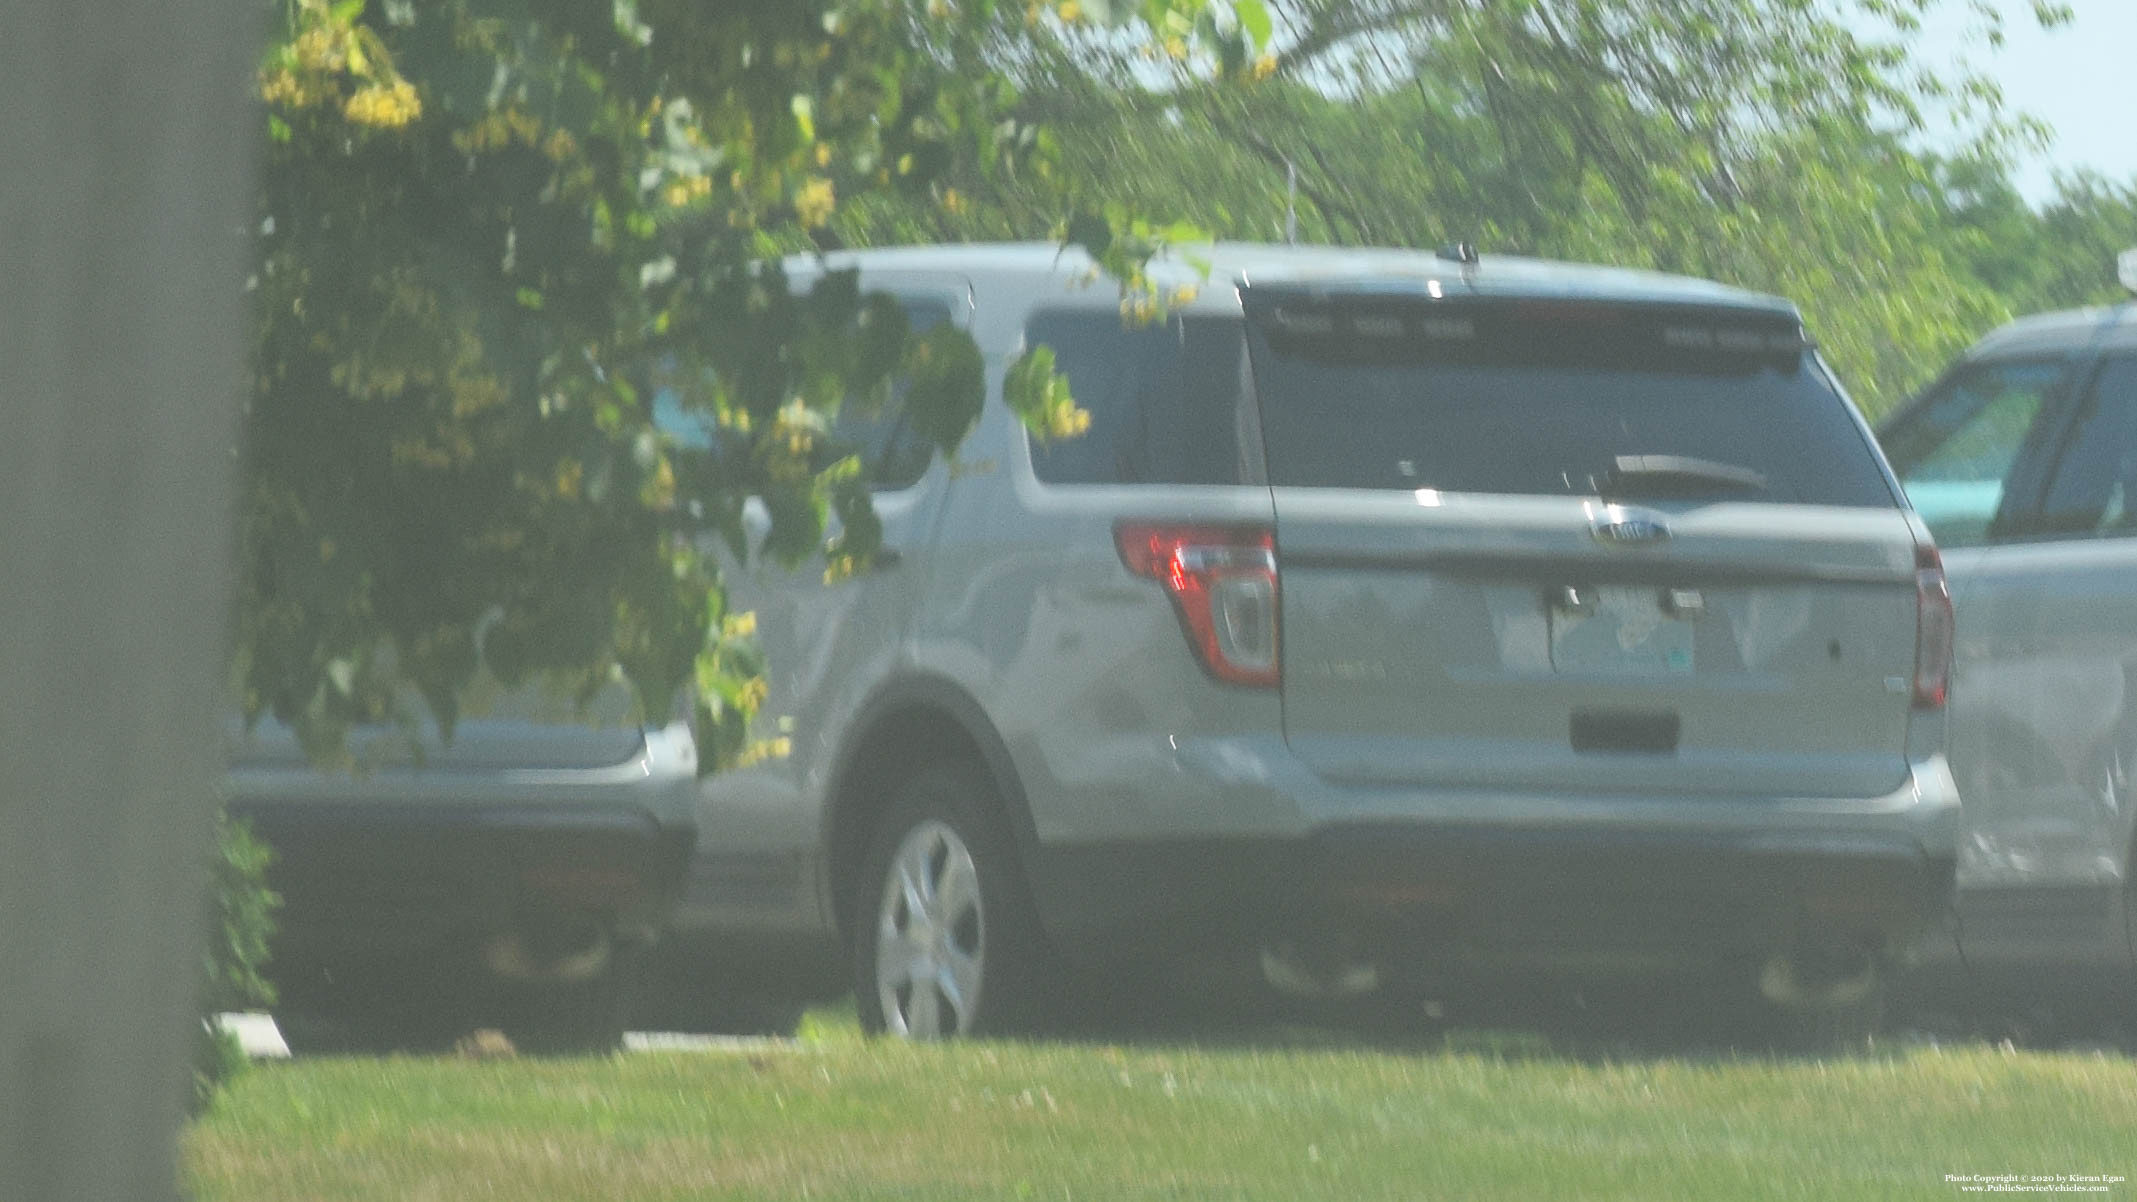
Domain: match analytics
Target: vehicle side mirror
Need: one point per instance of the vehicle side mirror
(2128, 269)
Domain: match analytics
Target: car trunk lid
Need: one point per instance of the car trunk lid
(1593, 548)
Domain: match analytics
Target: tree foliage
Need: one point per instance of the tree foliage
(492, 233)
(2057, 257)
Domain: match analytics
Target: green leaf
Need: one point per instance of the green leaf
(1180, 232)
(1026, 388)
(1040, 398)
(797, 526)
(1254, 19)
(1091, 232)
(947, 386)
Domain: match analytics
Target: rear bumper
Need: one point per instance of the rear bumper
(1479, 900)
(406, 860)
(1626, 887)
(392, 879)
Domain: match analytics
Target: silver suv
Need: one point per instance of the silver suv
(2023, 459)
(1401, 621)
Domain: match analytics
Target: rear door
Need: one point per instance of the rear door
(759, 821)
(1580, 548)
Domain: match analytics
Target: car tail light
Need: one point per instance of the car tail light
(1933, 628)
(1223, 584)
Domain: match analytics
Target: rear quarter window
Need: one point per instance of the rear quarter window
(1164, 399)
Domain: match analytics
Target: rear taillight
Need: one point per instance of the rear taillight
(1223, 584)
(1932, 629)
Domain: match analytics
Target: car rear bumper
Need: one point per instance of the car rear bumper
(1455, 900)
(1648, 884)
(369, 879)
(407, 859)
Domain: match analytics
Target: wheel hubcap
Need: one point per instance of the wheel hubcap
(930, 935)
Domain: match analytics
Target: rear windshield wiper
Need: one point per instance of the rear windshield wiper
(1675, 475)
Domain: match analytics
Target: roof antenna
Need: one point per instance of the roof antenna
(1291, 203)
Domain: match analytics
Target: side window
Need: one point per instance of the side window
(1164, 400)
(1954, 452)
(2094, 488)
(892, 455)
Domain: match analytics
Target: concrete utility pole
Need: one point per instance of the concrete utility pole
(125, 158)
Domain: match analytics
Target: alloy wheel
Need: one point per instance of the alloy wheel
(930, 936)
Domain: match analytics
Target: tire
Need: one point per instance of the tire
(946, 941)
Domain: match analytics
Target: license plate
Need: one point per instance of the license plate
(1627, 633)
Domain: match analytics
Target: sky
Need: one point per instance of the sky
(2081, 78)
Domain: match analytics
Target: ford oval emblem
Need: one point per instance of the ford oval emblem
(1631, 531)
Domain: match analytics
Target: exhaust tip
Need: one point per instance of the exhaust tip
(1330, 976)
(572, 949)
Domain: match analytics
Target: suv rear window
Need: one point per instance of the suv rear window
(1553, 398)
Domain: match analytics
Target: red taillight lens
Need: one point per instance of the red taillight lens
(1223, 584)
(1932, 630)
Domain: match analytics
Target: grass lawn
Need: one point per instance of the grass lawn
(1277, 1119)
